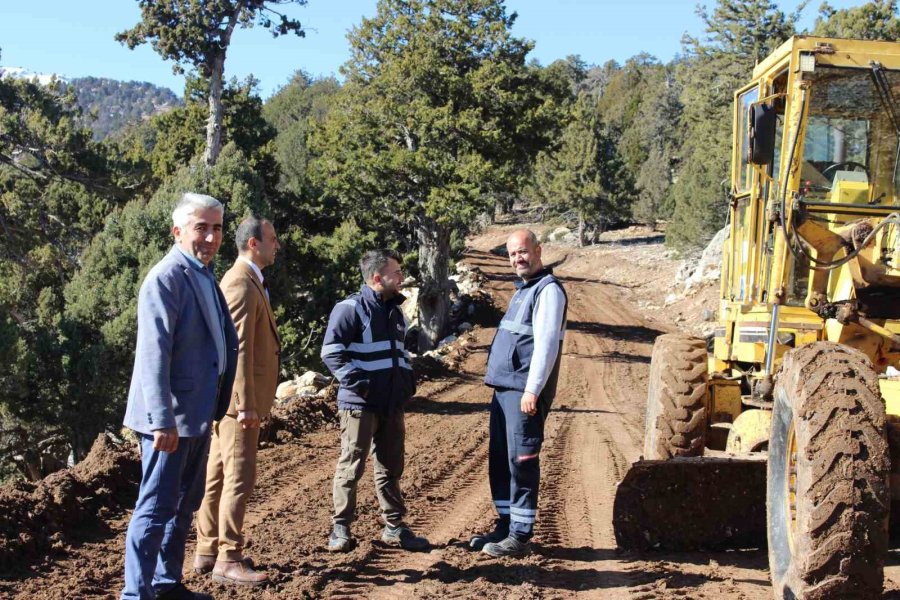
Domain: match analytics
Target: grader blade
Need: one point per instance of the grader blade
(692, 504)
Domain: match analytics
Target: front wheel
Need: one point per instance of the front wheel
(828, 498)
(676, 419)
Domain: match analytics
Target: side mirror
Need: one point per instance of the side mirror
(762, 134)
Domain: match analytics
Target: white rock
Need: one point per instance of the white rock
(559, 233)
(707, 267)
(464, 326)
(311, 378)
(671, 299)
(286, 389)
(468, 283)
(410, 306)
(447, 340)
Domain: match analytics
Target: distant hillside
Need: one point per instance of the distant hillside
(115, 103)
(118, 103)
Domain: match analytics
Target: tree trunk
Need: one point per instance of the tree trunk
(214, 123)
(581, 231)
(503, 205)
(434, 297)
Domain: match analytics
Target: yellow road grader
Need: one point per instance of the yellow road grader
(781, 431)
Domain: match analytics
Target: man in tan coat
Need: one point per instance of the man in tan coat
(231, 470)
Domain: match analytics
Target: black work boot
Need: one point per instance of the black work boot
(501, 530)
(509, 546)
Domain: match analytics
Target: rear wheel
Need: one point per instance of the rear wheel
(676, 419)
(828, 498)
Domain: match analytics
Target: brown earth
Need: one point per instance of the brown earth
(594, 432)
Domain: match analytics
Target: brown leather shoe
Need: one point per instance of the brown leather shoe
(238, 573)
(204, 563)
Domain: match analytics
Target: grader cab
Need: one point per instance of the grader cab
(781, 431)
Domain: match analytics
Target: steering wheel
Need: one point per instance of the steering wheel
(831, 171)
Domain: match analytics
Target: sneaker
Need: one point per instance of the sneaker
(509, 546)
(340, 539)
(403, 537)
(501, 530)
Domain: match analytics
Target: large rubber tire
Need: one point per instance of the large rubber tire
(828, 497)
(675, 424)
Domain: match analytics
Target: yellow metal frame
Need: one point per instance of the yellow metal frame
(755, 280)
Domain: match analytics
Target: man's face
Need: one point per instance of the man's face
(388, 279)
(202, 235)
(268, 246)
(524, 255)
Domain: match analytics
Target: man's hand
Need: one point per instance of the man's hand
(165, 440)
(248, 419)
(529, 404)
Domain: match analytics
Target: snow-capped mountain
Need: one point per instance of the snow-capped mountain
(23, 73)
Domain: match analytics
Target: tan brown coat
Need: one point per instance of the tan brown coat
(259, 348)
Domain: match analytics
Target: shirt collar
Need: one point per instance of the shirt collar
(368, 292)
(534, 278)
(193, 260)
(253, 266)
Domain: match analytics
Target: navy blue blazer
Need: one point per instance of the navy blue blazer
(175, 382)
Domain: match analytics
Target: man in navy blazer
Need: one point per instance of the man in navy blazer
(184, 368)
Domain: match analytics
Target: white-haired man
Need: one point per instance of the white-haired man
(184, 368)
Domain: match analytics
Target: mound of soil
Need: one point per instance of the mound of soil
(301, 415)
(38, 518)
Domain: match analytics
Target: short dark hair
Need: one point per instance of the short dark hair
(251, 227)
(374, 260)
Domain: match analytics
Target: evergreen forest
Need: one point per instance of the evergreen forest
(440, 123)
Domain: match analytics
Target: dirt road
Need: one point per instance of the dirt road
(593, 433)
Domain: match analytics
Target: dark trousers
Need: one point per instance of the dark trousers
(514, 465)
(361, 431)
(171, 491)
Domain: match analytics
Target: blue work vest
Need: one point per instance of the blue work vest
(513, 346)
(364, 350)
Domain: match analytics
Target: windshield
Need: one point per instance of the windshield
(850, 148)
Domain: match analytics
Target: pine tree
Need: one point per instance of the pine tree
(198, 34)
(585, 174)
(738, 35)
(875, 20)
(56, 186)
(438, 114)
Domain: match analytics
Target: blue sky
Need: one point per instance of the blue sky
(74, 38)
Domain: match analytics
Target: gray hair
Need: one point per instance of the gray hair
(374, 260)
(189, 204)
(251, 227)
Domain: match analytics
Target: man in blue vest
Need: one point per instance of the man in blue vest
(363, 348)
(523, 368)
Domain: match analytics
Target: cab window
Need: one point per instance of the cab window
(744, 169)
